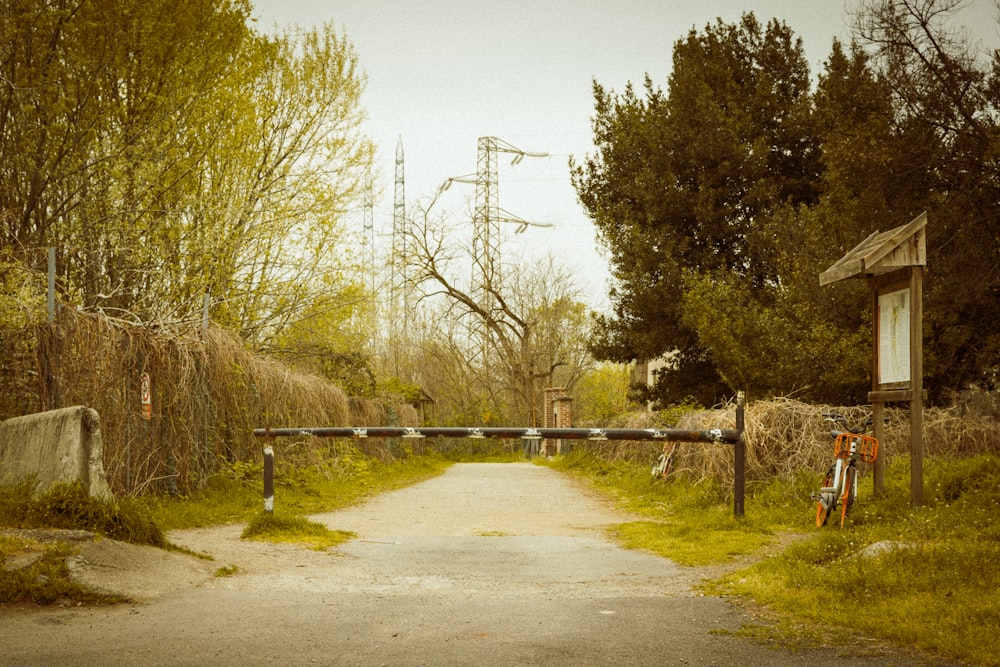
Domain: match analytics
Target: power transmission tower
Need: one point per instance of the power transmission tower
(488, 215)
(400, 288)
(368, 226)
(487, 218)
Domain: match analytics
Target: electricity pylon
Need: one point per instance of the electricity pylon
(487, 218)
(400, 288)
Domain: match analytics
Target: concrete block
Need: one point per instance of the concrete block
(56, 446)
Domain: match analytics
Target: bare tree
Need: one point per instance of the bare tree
(513, 340)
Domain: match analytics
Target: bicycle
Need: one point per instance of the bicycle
(664, 464)
(840, 484)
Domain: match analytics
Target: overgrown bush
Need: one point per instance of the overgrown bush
(208, 395)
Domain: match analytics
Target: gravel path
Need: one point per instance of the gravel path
(489, 564)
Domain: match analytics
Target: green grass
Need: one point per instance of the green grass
(69, 506)
(929, 582)
(236, 495)
(276, 527)
(45, 578)
(690, 523)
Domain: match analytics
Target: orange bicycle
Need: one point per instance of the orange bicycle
(664, 464)
(840, 484)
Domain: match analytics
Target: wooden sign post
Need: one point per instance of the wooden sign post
(893, 263)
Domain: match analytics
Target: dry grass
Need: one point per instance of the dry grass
(784, 435)
(209, 393)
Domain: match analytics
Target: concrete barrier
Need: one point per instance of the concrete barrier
(55, 446)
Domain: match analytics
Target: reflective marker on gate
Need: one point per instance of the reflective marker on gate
(715, 435)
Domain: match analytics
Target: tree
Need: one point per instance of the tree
(170, 151)
(719, 220)
(602, 394)
(330, 338)
(682, 183)
(494, 356)
(947, 96)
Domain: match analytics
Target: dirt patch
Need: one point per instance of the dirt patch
(131, 571)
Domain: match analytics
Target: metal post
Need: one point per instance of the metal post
(268, 480)
(52, 285)
(739, 483)
(878, 430)
(532, 446)
(916, 386)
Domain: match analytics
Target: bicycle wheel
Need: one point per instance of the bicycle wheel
(847, 500)
(660, 467)
(823, 513)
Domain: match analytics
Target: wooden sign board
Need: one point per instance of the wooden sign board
(893, 348)
(893, 263)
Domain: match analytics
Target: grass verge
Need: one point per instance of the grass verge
(38, 573)
(915, 578)
(236, 494)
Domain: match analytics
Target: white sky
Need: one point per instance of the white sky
(442, 73)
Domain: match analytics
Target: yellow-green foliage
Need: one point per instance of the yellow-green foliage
(278, 527)
(46, 579)
(69, 506)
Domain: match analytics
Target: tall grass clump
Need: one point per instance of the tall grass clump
(281, 527)
(70, 506)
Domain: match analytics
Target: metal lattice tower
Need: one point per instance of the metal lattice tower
(400, 289)
(486, 223)
(487, 218)
(368, 226)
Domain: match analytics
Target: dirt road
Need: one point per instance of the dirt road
(489, 564)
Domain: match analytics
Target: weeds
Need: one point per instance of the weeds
(226, 571)
(924, 578)
(274, 527)
(44, 578)
(70, 506)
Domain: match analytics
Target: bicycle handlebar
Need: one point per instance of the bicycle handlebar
(842, 420)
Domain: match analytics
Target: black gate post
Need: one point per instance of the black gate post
(268, 480)
(739, 484)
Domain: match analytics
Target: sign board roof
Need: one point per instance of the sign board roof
(882, 252)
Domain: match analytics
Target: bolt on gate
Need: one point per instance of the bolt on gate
(712, 436)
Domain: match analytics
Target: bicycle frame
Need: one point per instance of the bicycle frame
(840, 485)
(664, 464)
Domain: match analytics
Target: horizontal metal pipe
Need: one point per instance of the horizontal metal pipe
(718, 435)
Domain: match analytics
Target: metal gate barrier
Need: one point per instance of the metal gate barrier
(716, 435)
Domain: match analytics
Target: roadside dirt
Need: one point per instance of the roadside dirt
(490, 564)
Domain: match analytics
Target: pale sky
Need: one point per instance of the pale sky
(442, 73)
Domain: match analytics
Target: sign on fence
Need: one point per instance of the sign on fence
(146, 394)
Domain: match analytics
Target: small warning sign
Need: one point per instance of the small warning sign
(146, 390)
